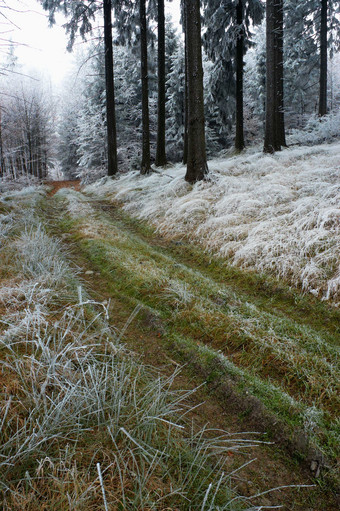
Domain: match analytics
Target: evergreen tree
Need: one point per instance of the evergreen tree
(146, 164)
(323, 59)
(161, 120)
(131, 24)
(175, 90)
(112, 166)
(80, 14)
(227, 38)
(196, 161)
(274, 78)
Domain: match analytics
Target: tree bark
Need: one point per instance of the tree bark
(281, 136)
(161, 151)
(112, 166)
(197, 161)
(145, 166)
(323, 60)
(185, 141)
(2, 159)
(239, 137)
(272, 140)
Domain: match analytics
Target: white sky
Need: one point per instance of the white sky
(41, 48)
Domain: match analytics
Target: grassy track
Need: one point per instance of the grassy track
(268, 353)
(84, 424)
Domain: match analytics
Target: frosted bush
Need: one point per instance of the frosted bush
(317, 130)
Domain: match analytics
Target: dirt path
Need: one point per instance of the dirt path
(58, 185)
(148, 335)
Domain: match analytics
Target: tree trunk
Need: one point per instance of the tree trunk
(112, 166)
(185, 141)
(239, 137)
(145, 167)
(279, 74)
(272, 131)
(2, 159)
(160, 151)
(197, 161)
(323, 60)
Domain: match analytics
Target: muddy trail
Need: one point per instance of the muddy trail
(177, 307)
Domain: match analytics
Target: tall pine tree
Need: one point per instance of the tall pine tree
(196, 160)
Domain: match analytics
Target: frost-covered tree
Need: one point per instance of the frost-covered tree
(226, 39)
(132, 26)
(175, 90)
(312, 34)
(68, 134)
(80, 15)
(26, 128)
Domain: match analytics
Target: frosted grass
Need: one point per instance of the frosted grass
(272, 213)
(303, 352)
(65, 375)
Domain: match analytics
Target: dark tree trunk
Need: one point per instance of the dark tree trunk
(272, 139)
(185, 141)
(145, 167)
(279, 76)
(323, 60)
(239, 137)
(112, 167)
(160, 151)
(2, 159)
(197, 161)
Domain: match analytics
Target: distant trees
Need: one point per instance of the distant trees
(26, 129)
(80, 15)
(164, 106)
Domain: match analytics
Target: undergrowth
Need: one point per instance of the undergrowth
(84, 425)
(277, 214)
(289, 365)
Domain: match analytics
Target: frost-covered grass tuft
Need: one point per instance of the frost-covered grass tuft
(40, 256)
(277, 213)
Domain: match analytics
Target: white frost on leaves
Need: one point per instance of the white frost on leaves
(273, 213)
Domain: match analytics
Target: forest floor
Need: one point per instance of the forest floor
(224, 328)
(123, 261)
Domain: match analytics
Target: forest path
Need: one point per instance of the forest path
(54, 186)
(190, 311)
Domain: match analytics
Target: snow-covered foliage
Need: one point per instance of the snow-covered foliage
(27, 138)
(317, 130)
(278, 214)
